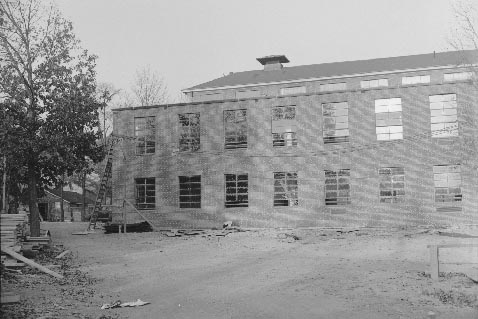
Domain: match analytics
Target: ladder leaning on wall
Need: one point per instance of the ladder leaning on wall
(107, 173)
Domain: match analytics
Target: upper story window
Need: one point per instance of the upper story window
(145, 193)
(333, 87)
(388, 119)
(367, 84)
(457, 76)
(235, 129)
(443, 109)
(189, 132)
(284, 126)
(209, 96)
(144, 132)
(415, 79)
(244, 94)
(336, 122)
(447, 179)
(293, 90)
(286, 189)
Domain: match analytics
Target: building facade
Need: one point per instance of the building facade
(381, 142)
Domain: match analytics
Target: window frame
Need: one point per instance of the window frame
(291, 189)
(191, 135)
(298, 89)
(188, 188)
(452, 172)
(332, 87)
(238, 128)
(281, 138)
(233, 184)
(145, 183)
(145, 144)
(396, 193)
(370, 84)
(329, 116)
(387, 113)
(416, 79)
(334, 176)
(457, 76)
(448, 129)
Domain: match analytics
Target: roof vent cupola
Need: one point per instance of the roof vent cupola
(273, 62)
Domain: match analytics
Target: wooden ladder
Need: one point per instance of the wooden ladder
(103, 187)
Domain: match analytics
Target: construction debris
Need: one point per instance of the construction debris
(9, 297)
(30, 262)
(203, 232)
(13, 230)
(130, 228)
(63, 254)
(118, 304)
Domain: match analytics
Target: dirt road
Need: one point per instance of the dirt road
(267, 274)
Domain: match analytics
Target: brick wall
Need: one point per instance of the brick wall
(363, 155)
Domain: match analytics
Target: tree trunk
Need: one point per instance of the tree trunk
(32, 203)
(83, 196)
(62, 208)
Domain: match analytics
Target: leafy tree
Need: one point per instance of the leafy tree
(50, 112)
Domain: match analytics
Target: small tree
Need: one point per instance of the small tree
(50, 110)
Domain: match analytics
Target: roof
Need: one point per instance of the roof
(303, 72)
(70, 197)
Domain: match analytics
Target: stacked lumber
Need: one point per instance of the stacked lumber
(130, 228)
(13, 229)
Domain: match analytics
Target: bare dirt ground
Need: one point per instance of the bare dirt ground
(366, 273)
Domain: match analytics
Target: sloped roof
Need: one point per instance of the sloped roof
(71, 197)
(303, 72)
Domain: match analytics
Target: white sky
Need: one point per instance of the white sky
(190, 42)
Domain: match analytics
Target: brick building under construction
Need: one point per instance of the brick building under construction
(382, 142)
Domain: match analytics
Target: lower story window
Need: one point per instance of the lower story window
(285, 189)
(145, 193)
(236, 190)
(447, 179)
(190, 191)
(337, 187)
(392, 184)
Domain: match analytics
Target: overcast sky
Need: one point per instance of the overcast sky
(190, 42)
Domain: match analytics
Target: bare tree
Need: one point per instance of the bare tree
(464, 36)
(105, 94)
(465, 31)
(149, 87)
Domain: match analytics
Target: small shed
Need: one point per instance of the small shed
(50, 205)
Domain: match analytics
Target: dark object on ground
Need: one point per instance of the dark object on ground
(130, 228)
(442, 233)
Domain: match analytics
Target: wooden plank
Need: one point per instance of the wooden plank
(62, 254)
(434, 265)
(9, 297)
(454, 245)
(139, 213)
(31, 263)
